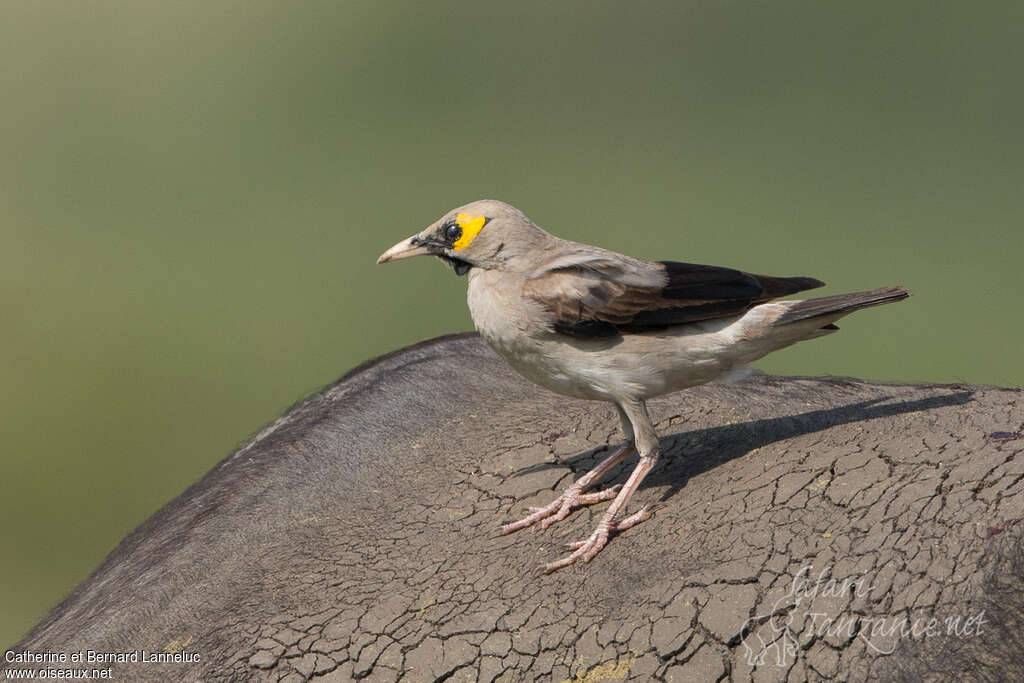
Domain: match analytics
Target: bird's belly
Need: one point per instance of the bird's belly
(549, 370)
(610, 369)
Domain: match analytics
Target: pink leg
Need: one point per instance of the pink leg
(574, 496)
(588, 549)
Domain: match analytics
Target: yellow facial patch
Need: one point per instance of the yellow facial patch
(471, 227)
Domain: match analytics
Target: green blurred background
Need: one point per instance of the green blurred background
(192, 196)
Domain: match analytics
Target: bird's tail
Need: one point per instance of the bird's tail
(840, 304)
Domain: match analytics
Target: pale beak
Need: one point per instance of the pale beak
(407, 248)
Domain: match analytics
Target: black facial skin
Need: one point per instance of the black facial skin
(448, 235)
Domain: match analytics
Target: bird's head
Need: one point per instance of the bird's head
(485, 234)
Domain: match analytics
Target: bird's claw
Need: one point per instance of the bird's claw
(560, 508)
(588, 549)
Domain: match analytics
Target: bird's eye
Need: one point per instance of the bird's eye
(452, 233)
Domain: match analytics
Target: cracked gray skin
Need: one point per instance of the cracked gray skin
(356, 536)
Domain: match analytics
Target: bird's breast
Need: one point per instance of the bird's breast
(497, 306)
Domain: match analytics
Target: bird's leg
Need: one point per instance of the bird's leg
(574, 496)
(647, 442)
(588, 549)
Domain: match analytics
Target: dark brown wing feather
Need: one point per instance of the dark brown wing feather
(604, 297)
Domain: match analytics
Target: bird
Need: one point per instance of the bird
(590, 323)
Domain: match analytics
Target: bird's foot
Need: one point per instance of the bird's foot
(588, 549)
(560, 508)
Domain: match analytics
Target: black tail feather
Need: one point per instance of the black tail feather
(841, 303)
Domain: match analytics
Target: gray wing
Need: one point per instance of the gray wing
(591, 293)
